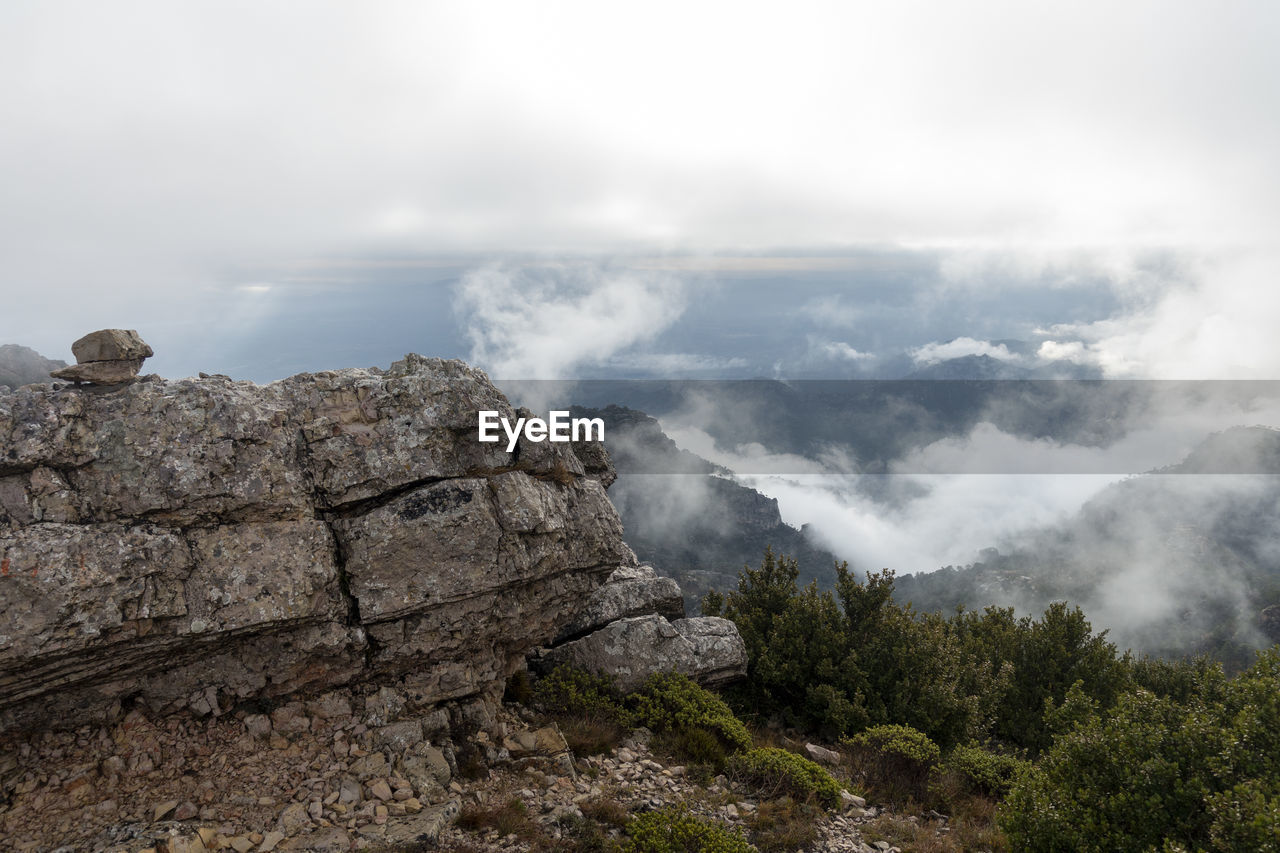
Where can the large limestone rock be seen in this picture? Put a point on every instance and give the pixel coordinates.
(630, 591)
(197, 543)
(707, 649)
(106, 357)
(111, 345)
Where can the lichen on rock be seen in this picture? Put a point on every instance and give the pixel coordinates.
(201, 542)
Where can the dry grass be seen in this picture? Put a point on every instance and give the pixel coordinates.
(589, 834)
(608, 812)
(559, 473)
(590, 735)
(510, 818)
(969, 832)
(783, 825)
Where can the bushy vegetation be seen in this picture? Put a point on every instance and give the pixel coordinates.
(1089, 748)
(674, 830)
(1155, 772)
(976, 770)
(898, 759)
(691, 721)
(698, 723)
(775, 772)
(843, 661)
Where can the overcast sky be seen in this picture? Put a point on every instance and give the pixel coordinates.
(164, 165)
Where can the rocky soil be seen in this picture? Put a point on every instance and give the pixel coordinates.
(342, 773)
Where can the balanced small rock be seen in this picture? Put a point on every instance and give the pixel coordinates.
(106, 357)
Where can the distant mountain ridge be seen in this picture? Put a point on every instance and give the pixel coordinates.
(985, 367)
(21, 365)
(688, 516)
(1181, 560)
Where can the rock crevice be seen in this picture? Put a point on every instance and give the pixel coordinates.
(160, 540)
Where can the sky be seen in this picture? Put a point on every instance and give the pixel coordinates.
(202, 170)
(709, 190)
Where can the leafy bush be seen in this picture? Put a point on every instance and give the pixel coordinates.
(1125, 782)
(900, 743)
(700, 721)
(691, 720)
(1158, 773)
(568, 691)
(839, 661)
(674, 830)
(590, 713)
(983, 772)
(776, 772)
(1247, 817)
(895, 760)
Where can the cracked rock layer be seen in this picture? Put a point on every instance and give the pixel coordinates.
(200, 542)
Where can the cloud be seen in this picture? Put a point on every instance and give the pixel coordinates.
(154, 152)
(545, 322)
(841, 350)
(932, 353)
(1215, 320)
(1062, 351)
(831, 311)
(675, 363)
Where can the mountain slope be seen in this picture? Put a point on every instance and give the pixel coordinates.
(1177, 561)
(687, 516)
(21, 365)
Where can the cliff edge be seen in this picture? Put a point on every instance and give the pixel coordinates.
(202, 543)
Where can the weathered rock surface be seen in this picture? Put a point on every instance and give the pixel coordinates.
(106, 357)
(1269, 622)
(719, 653)
(100, 372)
(630, 591)
(707, 649)
(111, 345)
(197, 543)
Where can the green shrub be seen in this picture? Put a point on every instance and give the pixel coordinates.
(671, 703)
(983, 772)
(1131, 780)
(1195, 769)
(836, 661)
(674, 830)
(1247, 818)
(568, 691)
(901, 742)
(897, 761)
(775, 772)
(694, 746)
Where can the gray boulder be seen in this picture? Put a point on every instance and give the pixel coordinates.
(111, 345)
(718, 649)
(201, 542)
(106, 357)
(630, 591)
(707, 649)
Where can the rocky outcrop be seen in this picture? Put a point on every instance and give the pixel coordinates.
(707, 649)
(1269, 622)
(201, 543)
(630, 591)
(634, 627)
(106, 357)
